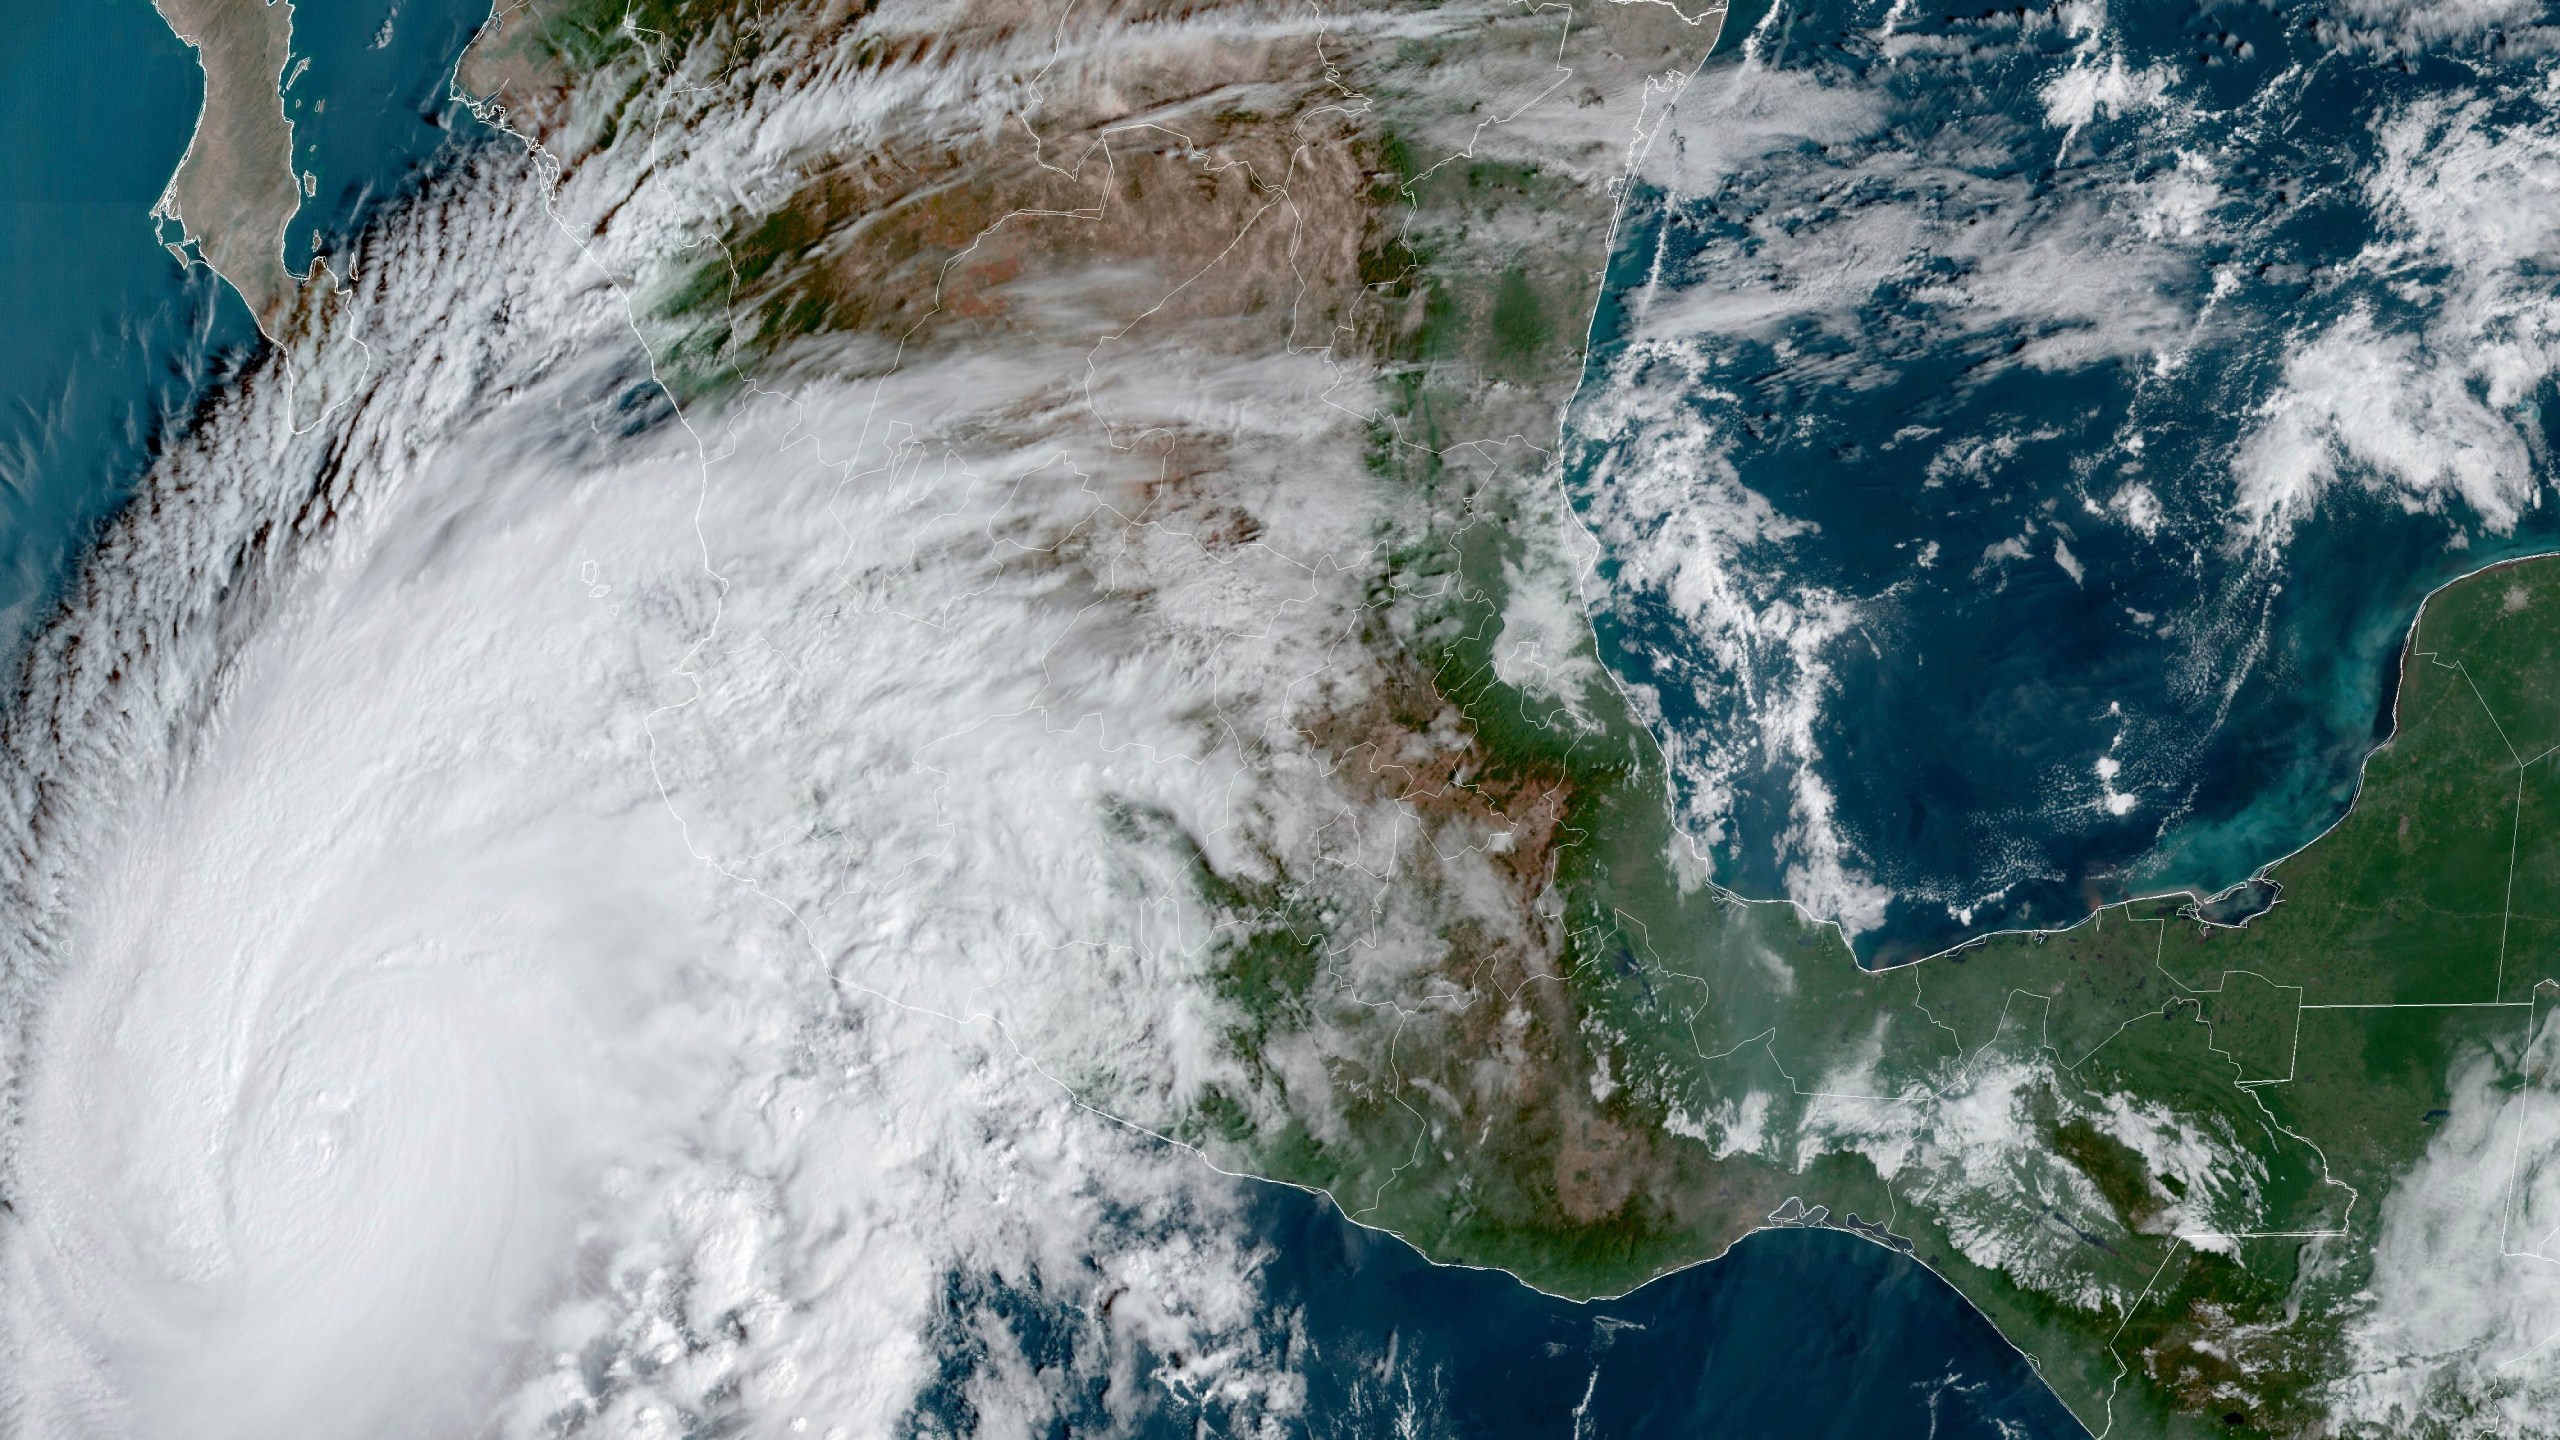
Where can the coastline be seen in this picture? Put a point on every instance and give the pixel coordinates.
(235, 190)
(1583, 965)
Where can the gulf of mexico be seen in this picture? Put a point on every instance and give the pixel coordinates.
(1992, 520)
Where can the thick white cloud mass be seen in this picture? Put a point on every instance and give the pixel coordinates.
(528, 912)
(529, 919)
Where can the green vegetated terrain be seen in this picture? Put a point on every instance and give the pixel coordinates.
(2151, 1149)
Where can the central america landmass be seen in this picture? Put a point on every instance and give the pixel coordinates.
(2164, 1154)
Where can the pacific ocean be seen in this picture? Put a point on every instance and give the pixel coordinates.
(1797, 1333)
(110, 340)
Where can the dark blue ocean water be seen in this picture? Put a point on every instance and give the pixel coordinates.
(1794, 1335)
(1797, 1334)
(2022, 436)
(112, 342)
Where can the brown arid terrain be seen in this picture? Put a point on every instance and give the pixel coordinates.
(1128, 206)
(926, 613)
(236, 191)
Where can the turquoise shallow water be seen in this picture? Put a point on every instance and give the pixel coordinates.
(112, 346)
(2021, 439)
